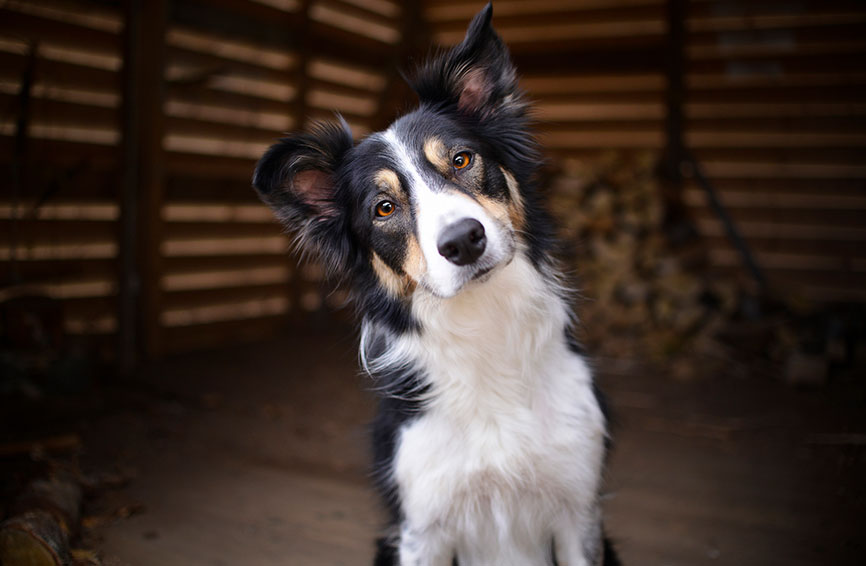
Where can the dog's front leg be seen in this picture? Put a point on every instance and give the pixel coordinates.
(577, 539)
(424, 547)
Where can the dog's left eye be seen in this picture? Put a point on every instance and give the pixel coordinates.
(461, 160)
(385, 208)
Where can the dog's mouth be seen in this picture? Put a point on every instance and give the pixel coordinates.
(481, 273)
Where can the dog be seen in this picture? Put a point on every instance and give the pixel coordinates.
(490, 438)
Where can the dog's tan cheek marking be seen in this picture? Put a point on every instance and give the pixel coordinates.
(437, 155)
(393, 283)
(497, 209)
(516, 211)
(414, 265)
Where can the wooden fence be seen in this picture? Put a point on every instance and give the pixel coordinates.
(128, 134)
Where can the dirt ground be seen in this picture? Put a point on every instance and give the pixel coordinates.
(257, 455)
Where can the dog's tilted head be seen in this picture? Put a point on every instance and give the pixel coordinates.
(439, 200)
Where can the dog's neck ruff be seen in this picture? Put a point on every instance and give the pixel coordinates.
(494, 336)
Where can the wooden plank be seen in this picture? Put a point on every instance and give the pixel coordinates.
(223, 65)
(278, 29)
(69, 153)
(196, 298)
(800, 187)
(182, 186)
(600, 85)
(769, 155)
(735, 22)
(516, 16)
(463, 10)
(849, 62)
(850, 249)
(213, 129)
(59, 113)
(210, 230)
(202, 94)
(40, 28)
(593, 34)
(784, 215)
(360, 13)
(209, 166)
(651, 139)
(187, 264)
(801, 231)
(58, 73)
(740, 170)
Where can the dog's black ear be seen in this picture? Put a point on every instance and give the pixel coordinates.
(476, 76)
(296, 178)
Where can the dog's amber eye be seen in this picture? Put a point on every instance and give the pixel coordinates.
(385, 208)
(462, 160)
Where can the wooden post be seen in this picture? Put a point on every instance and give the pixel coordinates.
(676, 223)
(143, 182)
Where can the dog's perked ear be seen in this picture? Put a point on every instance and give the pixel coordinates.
(297, 178)
(476, 76)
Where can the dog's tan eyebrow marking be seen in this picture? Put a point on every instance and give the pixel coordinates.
(437, 154)
(387, 178)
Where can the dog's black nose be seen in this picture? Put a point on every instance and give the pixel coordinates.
(463, 242)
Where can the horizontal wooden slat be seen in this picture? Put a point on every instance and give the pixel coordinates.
(61, 113)
(522, 15)
(58, 73)
(844, 249)
(18, 24)
(210, 166)
(796, 186)
(186, 230)
(226, 245)
(729, 170)
(811, 157)
(762, 229)
(348, 19)
(837, 218)
(198, 298)
(191, 264)
(187, 187)
(212, 129)
(600, 139)
(733, 23)
(811, 201)
(850, 61)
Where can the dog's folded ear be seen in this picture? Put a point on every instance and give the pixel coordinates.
(476, 76)
(296, 178)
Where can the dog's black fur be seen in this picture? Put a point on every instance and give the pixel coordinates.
(319, 184)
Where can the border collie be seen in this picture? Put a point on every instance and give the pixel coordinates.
(490, 440)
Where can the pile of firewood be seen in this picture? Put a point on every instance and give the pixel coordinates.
(640, 297)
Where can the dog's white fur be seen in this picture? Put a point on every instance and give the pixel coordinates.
(509, 450)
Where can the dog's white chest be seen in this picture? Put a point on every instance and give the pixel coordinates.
(513, 436)
(495, 482)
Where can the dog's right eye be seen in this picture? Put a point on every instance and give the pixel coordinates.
(385, 208)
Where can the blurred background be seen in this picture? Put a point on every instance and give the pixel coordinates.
(177, 388)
